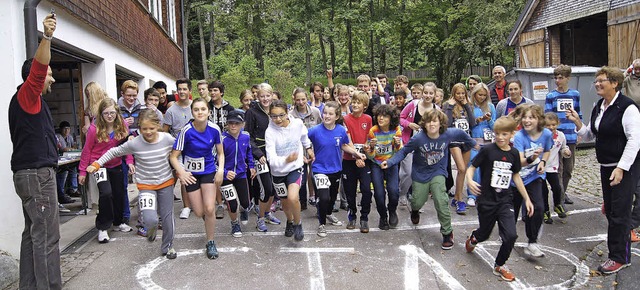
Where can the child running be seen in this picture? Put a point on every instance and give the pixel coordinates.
(559, 149)
(238, 158)
(107, 132)
(286, 141)
(429, 168)
(154, 177)
(329, 140)
(499, 164)
(383, 141)
(197, 170)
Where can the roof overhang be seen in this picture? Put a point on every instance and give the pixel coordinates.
(522, 21)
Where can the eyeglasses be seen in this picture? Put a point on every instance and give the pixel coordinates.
(109, 114)
(601, 81)
(275, 117)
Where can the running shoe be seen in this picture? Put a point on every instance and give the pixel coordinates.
(171, 254)
(547, 218)
(322, 232)
(471, 243)
(271, 219)
(634, 236)
(260, 225)
(454, 202)
(393, 219)
(66, 199)
(611, 266)
(219, 212)
(533, 250)
(559, 209)
(235, 229)
(461, 208)
(298, 233)
(351, 225)
(504, 273)
(123, 228)
(142, 232)
(334, 220)
(212, 251)
(288, 230)
(103, 237)
(447, 241)
(471, 202)
(151, 233)
(383, 224)
(244, 216)
(335, 209)
(344, 206)
(312, 201)
(415, 217)
(364, 226)
(403, 200)
(62, 208)
(184, 214)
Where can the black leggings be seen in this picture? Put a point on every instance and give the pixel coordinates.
(262, 187)
(533, 223)
(327, 196)
(242, 192)
(111, 200)
(553, 178)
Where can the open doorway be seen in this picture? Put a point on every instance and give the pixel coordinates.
(584, 41)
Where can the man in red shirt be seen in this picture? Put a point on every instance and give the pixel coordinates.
(33, 164)
(498, 90)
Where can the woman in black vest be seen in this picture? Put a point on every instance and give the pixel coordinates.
(617, 137)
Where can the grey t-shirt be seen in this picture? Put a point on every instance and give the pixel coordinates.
(176, 117)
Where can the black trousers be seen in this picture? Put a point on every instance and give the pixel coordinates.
(533, 223)
(502, 213)
(351, 174)
(111, 200)
(327, 196)
(617, 207)
(556, 187)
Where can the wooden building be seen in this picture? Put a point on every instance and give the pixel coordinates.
(577, 32)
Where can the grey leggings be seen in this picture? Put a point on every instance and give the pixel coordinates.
(164, 208)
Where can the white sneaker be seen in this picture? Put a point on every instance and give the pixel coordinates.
(103, 237)
(184, 214)
(322, 232)
(334, 220)
(220, 211)
(61, 208)
(471, 202)
(533, 250)
(124, 228)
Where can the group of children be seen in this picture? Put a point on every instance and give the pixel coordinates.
(402, 143)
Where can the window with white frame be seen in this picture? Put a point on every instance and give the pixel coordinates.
(155, 8)
(171, 18)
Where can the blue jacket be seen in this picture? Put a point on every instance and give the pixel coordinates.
(237, 154)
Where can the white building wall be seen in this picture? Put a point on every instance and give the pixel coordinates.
(12, 55)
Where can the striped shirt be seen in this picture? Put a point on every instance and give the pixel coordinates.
(566, 126)
(385, 147)
(152, 160)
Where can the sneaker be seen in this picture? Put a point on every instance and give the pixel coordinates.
(351, 225)
(634, 236)
(212, 251)
(219, 212)
(298, 233)
(244, 217)
(452, 192)
(74, 193)
(312, 201)
(470, 244)
(151, 233)
(504, 273)
(364, 226)
(403, 200)
(415, 217)
(454, 202)
(559, 209)
(335, 209)
(611, 266)
(567, 200)
(124, 228)
(344, 206)
(273, 207)
(271, 219)
(447, 241)
(184, 214)
(256, 209)
(547, 218)
(260, 225)
(533, 250)
(383, 224)
(61, 208)
(393, 219)
(334, 220)
(103, 237)
(288, 230)
(461, 208)
(471, 202)
(176, 199)
(142, 232)
(322, 232)
(66, 199)
(236, 232)
(171, 254)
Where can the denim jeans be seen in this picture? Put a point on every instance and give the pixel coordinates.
(379, 176)
(62, 176)
(39, 250)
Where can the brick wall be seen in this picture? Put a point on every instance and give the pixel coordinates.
(129, 23)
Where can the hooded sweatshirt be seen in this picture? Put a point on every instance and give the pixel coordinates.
(219, 115)
(281, 142)
(311, 118)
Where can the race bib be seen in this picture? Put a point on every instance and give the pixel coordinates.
(147, 201)
(261, 168)
(194, 164)
(384, 149)
(501, 178)
(488, 135)
(564, 104)
(322, 181)
(281, 189)
(462, 124)
(100, 175)
(359, 148)
(229, 192)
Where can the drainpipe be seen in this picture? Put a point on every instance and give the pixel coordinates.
(31, 26)
(185, 57)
